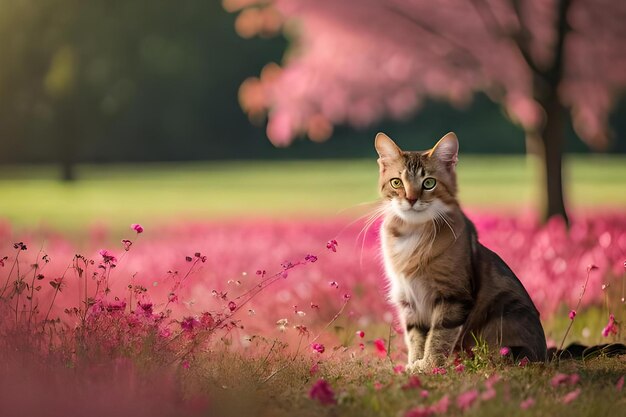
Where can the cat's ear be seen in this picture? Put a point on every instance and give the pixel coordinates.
(447, 150)
(386, 147)
(387, 150)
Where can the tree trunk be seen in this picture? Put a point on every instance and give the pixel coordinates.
(549, 147)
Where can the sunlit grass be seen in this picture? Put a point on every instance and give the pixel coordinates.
(120, 194)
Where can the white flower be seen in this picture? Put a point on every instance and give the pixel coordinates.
(282, 324)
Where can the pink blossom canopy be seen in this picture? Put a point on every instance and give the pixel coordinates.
(358, 61)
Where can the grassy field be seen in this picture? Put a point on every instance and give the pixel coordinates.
(120, 194)
(140, 360)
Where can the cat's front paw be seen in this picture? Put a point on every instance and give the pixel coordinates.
(419, 366)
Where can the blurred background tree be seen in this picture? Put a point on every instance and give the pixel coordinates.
(361, 61)
(132, 81)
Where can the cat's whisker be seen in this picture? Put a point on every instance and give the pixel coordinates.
(442, 216)
(377, 213)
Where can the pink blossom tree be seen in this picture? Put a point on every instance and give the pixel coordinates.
(358, 61)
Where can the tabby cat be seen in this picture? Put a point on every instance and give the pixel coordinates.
(449, 289)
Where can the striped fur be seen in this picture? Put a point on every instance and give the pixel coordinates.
(448, 288)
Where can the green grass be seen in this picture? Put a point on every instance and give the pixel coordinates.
(120, 194)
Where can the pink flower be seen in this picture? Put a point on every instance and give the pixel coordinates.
(611, 327)
(424, 393)
(439, 371)
(572, 314)
(488, 395)
(322, 392)
(378, 385)
(459, 368)
(185, 364)
(314, 368)
(188, 324)
(527, 403)
(412, 383)
(620, 383)
(381, 349)
(491, 381)
(360, 333)
(398, 369)
(525, 361)
(441, 406)
(361, 346)
(107, 257)
(467, 399)
(137, 228)
(126, 244)
(504, 351)
(570, 396)
(559, 379)
(165, 332)
(332, 245)
(574, 379)
(318, 347)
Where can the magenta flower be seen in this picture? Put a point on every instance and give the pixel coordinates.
(488, 395)
(188, 324)
(318, 347)
(332, 245)
(504, 351)
(381, 349)
(441, 406)
(611, 327)
(459, 368)
(314, 368)
(107, 256)
(570, 396)
(398, 369)
(126, 244)
(360, 333)
(145, 307)
(559, 379)
(137, 228)
(412, 383)
(527, 403)
(321, 391)
(572, 314)
(467, 399)
(439, 371)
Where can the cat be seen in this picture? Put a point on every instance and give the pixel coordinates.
(449, 290)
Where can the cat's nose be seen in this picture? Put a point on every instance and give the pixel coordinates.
(411, 201)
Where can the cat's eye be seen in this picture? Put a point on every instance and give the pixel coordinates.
(396, 182)
(429, 183)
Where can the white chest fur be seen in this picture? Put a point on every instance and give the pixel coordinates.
(411, 294)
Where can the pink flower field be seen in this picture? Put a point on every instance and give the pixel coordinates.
(314, 287)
